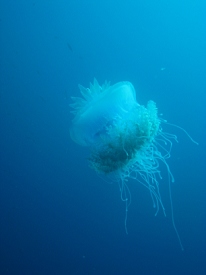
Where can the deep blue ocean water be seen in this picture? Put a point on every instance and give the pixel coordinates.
(57, 216)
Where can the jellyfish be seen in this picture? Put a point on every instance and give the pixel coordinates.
(125, 139)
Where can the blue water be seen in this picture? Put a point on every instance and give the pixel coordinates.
(57, 216)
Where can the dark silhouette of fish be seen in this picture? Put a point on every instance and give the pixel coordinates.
(70, 47)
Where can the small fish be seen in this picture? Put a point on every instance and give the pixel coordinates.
(70, 47)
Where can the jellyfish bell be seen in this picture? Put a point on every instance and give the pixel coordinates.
(125, 138)
(98, 108)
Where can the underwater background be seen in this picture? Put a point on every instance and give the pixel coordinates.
(57, 216)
